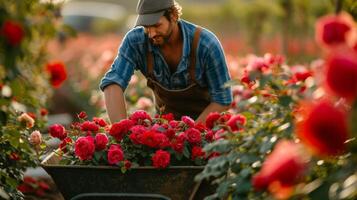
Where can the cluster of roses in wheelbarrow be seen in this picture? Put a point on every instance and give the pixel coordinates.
(141, 140)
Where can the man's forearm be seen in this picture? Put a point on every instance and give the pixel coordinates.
(115, 103)
(212, 107)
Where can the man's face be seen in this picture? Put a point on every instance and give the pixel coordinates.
(160, 32)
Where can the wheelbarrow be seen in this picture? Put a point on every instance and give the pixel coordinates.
(79, 182)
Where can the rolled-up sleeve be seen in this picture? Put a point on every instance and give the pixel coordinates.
(122, 68)
(217, 72)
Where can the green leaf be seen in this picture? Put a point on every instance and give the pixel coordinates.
(186, 151)
(285, 101)
(249, 159)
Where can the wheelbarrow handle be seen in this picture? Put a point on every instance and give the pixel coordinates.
(136, 195)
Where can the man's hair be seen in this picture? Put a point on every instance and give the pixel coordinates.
(175, 10)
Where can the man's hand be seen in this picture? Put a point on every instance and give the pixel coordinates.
(115, 102)
(212, 107)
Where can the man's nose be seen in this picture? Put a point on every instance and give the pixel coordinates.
(151, 32)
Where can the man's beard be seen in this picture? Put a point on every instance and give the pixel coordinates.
(165, 37)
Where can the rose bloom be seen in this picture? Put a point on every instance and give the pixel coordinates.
(169, 117)
(161, 140)
(119, 129)
(58, 73)
(188, 121)
(115, 154)
(43, 112)
(101, 122)
(193, 136)
(35, 138)
(13, 32)
(161, 159)
(236, 122)
(139, 116)
(282, 169)
(211, 119)
(89, 126)
(24, 117)
(57, 131)
(341, 73)
(323, 128)
(197, 152)
(84, 148)
(101, 141)
(82, 115)
(148, 138)
(332, 30)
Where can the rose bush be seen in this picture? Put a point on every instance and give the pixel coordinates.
(299, 138)
(25, 86)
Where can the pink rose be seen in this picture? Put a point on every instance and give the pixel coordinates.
(36, 138)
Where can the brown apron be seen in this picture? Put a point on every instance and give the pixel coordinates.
(190, 101)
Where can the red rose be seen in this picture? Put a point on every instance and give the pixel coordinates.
(332, 30)
(57, 72)
(197, 153)
(169, 117)
(161, 140)
(236, 122)
(200, 127)
(341, 73)
(13, 32)
(193, 136)
(139, 116)
(148, 138)
(323, 128)
(127, 164)
(89, 126)
(43, 112)
(82, 115)
(115, 154)
(211, 119)
(63, 145)
(101, 122)
(119, 129)
(225, 117)
(136, 134)
(170, 133)
(188, 121)
(209, 136)
(84, 148)
(286, 165)
(177, 145)
(173, 123)
(161, 159)
(101, 141)
(14, 156)
(57, 131)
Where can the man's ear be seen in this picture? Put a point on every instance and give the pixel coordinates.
(173, 17)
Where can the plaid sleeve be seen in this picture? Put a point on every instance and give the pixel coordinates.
(122, 68)
(216, 69)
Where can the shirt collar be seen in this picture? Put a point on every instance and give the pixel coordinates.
(185, 37)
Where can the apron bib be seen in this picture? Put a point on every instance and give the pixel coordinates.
(190, 101)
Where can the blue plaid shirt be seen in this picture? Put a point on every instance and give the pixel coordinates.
(211, 68)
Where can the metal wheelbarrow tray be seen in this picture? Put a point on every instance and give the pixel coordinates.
(175, 183)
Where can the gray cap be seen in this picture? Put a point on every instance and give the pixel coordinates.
(150, 11)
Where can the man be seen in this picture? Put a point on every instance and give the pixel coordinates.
(184, 64)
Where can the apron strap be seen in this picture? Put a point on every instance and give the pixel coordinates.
(192, 67)
(150, 65)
